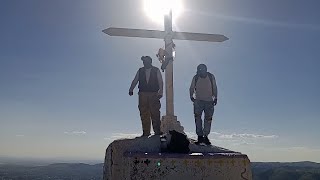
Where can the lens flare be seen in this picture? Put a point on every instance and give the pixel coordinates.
(156, 9)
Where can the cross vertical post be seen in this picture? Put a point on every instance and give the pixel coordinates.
(169, 69)
(169, 120)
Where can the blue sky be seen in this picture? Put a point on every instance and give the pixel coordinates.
(64, 84)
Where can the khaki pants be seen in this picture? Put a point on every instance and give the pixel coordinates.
(149, 106)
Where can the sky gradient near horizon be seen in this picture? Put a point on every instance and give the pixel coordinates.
(64, 84)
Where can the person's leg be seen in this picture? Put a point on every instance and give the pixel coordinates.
(144, 113)
(155, 106)
(208, 113)
(198, 108)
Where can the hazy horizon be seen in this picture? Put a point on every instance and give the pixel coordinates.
(48, 161)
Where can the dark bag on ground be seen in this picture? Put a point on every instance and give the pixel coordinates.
(179, 143)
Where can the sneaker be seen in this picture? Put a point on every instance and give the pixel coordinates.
(206, 140)
(200, 140)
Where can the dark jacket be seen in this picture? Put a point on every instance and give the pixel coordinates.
(153, 84)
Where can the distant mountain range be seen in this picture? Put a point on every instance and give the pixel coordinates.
(286, 171)
(61, 171)
(308, 164)
(80, 171)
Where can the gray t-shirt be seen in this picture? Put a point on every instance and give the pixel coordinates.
(203, 90)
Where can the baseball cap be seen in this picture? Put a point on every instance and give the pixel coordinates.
(146, 58)
(201, 67)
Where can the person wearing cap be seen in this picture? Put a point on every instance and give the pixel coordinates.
(204, 87)
(150, 91)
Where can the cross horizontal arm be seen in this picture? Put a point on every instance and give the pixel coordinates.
(134, 33)
(161, 34)
(199, 37)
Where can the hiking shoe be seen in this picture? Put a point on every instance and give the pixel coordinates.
(206, 140)
(158, 133)
(145, 135)
(200, 140)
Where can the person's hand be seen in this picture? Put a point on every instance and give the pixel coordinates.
(192, 99)
(130, 93)
(215, 101)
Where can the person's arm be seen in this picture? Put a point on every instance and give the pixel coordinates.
(214, 87)
(214, 90)
(160, 81)
(192, 87)
(134, 83)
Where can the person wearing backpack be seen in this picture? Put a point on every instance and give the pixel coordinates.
(204, 87)
(150, 91)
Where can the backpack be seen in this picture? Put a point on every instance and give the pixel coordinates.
(179, 143)
(210, 77)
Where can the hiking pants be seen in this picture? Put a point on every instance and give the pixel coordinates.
(149, 106)
(199, 106)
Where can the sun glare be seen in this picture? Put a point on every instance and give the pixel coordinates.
(156, 9)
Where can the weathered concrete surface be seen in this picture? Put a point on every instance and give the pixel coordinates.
(140, 159)
(231, 166)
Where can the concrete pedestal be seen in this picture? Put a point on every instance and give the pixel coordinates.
(140, 159)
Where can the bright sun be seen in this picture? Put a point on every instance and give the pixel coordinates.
(156, 9)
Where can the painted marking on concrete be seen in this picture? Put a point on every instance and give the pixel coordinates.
(136, 161)
(245, 170)
(147, 162)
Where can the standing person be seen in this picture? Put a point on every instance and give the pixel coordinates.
(150, 91)
(204, 86)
